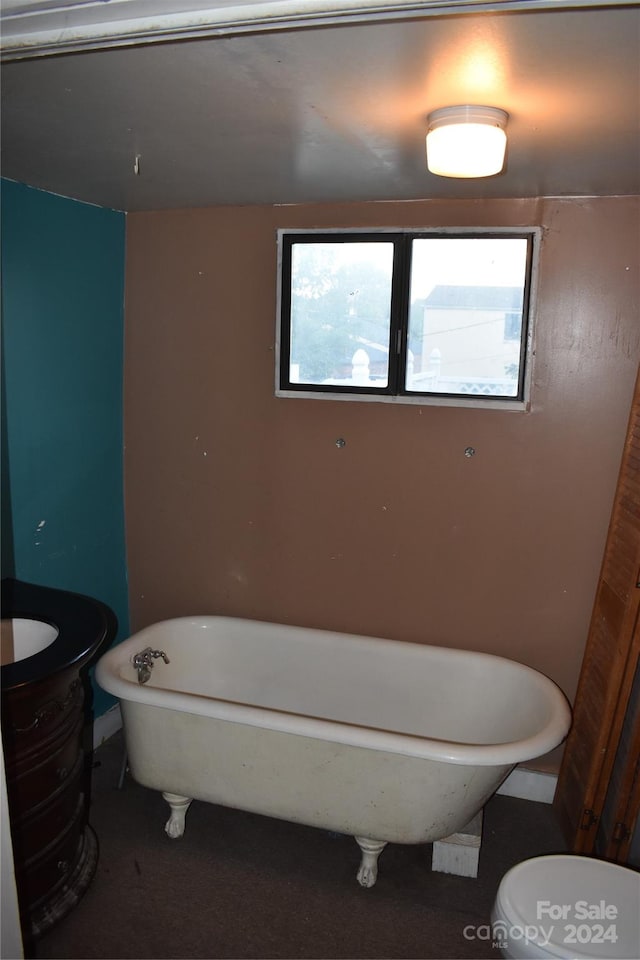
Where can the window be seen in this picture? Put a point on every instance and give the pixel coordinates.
(415, 317)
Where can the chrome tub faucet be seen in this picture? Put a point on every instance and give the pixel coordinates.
(143, 662)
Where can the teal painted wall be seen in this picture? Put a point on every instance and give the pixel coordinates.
(62, 315)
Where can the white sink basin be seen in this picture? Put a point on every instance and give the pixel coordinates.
(21, 638)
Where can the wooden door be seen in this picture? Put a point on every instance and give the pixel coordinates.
(608, 669)
(622, 802)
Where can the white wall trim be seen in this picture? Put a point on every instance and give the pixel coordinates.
(41, 27)
(11, 933)
(106, 725)
(529, 785)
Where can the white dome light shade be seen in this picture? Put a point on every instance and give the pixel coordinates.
(466, 141)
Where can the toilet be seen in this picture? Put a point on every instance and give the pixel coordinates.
(567, 906)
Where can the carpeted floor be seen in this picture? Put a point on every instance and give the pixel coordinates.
(242, 886)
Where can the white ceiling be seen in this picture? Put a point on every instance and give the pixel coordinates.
(329, 112)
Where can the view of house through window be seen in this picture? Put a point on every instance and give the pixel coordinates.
(465, 319)
(404, 314)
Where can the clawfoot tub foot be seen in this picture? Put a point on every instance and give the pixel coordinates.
(371, 850)
(174, 826)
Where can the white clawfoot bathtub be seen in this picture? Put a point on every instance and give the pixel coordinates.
(384, 740)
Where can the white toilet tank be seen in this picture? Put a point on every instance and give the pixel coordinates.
(567, 906)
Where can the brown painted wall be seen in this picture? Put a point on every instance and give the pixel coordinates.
(240, 503)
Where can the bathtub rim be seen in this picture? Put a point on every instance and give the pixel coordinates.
(108, 676)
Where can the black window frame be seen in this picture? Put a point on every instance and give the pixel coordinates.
(399, 315)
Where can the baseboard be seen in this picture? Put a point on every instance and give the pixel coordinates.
(106, 725)
(529, 785)
(521, 783)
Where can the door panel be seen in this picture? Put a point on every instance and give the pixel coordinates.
(607, 675)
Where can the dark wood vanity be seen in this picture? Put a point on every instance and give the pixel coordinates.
(47, 741)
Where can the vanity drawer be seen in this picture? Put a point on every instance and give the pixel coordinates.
(45, 823)
(30, 783)
(34, 716)
(54, 864)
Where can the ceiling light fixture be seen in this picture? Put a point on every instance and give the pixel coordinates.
(466, 141)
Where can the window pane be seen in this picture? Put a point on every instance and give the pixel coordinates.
(340, 313)
(465, 323)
